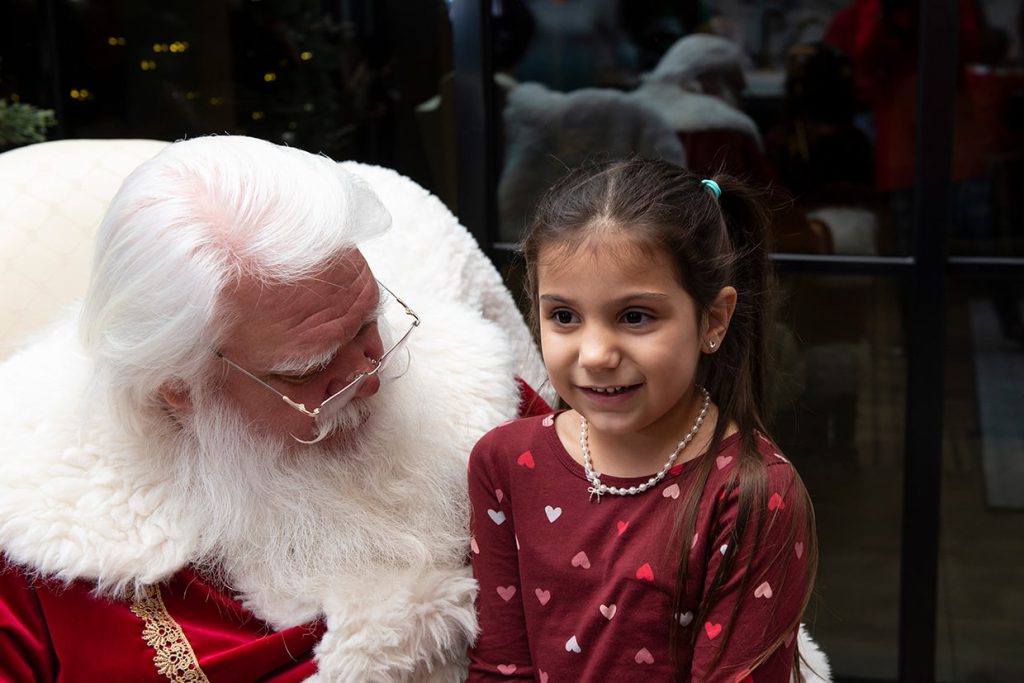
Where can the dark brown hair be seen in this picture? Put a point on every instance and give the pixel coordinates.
(714, 242)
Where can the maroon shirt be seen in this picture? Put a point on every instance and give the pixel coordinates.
(574, 590)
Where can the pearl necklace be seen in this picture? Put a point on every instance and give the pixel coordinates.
(598, 489)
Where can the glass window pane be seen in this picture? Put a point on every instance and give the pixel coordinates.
(988, 144)
(838, 399)
(980, 608)
(777, 93)
(981, 567)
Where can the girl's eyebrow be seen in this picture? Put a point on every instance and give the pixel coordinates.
(641, 296)
(621, 301)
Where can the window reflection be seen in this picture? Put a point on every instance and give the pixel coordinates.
(814, 100)
(980, 568)
(585, 80)
(838, 399)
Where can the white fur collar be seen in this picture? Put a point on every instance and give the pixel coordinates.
(686, 111)
(80, 503)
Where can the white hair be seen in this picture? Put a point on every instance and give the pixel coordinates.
(184, 229)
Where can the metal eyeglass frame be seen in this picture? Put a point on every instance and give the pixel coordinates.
(352, 386)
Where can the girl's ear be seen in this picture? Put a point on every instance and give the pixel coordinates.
(717, 319)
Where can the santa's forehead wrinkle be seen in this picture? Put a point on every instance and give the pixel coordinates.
(309, 315)
(349, 275)
(358, 303)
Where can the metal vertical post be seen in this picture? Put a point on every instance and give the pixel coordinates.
(937, 67)
(474, 118)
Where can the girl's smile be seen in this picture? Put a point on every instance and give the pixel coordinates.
(613, 395)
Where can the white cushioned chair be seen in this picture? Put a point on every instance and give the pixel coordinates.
(52, 197)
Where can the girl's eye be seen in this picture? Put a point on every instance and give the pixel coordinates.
(563, 317)
(635, 317)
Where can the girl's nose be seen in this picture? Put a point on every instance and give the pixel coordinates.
(598, 350)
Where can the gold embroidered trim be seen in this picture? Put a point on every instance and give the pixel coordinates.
(174, 656)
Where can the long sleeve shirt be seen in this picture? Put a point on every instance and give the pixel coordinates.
(579, 590)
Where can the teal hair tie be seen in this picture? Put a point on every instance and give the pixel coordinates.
(714, 187)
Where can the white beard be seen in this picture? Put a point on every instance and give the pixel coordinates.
(342, 530)
(283, 523)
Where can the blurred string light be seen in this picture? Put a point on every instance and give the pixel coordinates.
(176, 47)
(81, 94)
(147, 65)
(116, 41)
(269, 77)
(216, 101)
(257, 116)
(306, 56)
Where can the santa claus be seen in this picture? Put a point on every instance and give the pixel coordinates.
(244, 457)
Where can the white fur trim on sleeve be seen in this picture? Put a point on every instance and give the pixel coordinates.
(404, 627)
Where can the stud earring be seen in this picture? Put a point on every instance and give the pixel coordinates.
(712, 344)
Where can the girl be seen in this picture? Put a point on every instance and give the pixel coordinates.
(652, 530)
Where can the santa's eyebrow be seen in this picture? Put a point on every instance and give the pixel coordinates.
(378, 310)
(301, 365)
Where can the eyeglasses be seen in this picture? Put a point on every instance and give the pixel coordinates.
(338, 400)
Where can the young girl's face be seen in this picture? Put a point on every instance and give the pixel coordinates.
(620, 336)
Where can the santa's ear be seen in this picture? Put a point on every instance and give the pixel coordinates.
(177, 397)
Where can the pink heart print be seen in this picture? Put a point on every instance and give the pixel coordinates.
(506, 592)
